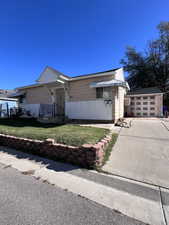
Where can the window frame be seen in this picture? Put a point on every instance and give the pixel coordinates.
(97, 92)
(103, 90)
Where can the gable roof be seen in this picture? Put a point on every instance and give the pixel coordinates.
(56, 71)
(53, 70)
(151, 90)
(68, 78)
(90, 74)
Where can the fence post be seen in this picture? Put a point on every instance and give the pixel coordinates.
(7, 109)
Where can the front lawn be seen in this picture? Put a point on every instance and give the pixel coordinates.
(67, 134)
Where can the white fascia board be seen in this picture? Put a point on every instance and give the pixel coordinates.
(40, 84)
(64, 78)
(111, 83)
(127, 84)
(91, 76)
(60, 81)
(8, 99)
(29, 86)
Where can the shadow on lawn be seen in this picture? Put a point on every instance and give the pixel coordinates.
(44, 162)
(22, 122)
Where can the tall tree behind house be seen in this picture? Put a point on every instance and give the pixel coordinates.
(150, 67)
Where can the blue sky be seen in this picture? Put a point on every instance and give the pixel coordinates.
(73, 36)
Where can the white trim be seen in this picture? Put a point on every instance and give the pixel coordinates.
(110, 83)
(29, 86)
(9, 99)
(91, 76)
(37, 85)
(64, 78)
(60, 81)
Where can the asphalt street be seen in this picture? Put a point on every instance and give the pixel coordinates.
(29, 201)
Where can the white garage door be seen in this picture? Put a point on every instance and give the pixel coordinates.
(144, 106)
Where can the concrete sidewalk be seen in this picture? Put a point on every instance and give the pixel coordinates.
(137, 200)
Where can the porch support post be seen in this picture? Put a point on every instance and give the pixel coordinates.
(50, 93)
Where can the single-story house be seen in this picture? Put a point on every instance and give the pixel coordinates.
(96, 96)
(145, 102)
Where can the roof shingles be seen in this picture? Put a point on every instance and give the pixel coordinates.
(151, 90)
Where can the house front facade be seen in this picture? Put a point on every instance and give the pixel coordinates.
(97, 96)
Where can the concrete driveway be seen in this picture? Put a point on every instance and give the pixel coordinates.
(142, 152)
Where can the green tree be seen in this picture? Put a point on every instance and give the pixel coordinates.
(150, 67)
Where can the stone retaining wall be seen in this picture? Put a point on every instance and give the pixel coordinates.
(88, 156)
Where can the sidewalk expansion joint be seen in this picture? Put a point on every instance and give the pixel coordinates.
(162, 206)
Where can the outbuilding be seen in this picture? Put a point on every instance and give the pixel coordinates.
(145, 102)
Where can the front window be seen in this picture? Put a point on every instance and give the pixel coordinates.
(103, 92)
(99, 92)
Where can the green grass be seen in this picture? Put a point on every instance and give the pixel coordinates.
(109, 148)
(74, 135)
(107, 152)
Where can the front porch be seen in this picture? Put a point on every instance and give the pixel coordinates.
(55, 111)
(45, 101)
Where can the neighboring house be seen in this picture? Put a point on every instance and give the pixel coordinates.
(5, 93)
(146, 102)
(6, 103)
(97, 96)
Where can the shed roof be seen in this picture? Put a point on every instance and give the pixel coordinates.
(151, 90)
